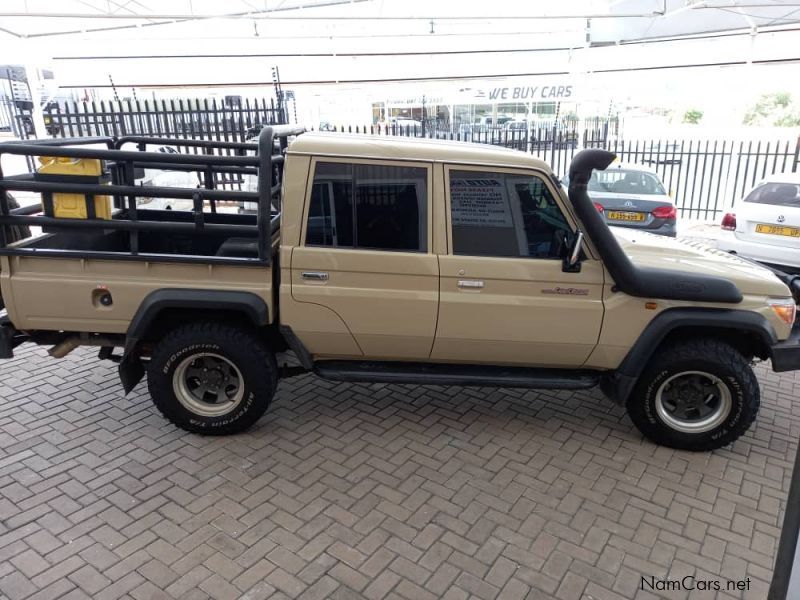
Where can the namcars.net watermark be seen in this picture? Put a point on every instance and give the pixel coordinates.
(690, 583)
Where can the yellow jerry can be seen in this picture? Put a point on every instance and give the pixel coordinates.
(63, 169)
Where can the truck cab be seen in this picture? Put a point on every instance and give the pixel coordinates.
(409, 250)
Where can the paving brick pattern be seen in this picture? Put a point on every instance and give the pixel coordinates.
(373, 491)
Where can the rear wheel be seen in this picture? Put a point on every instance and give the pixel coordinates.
(212, 378)
(696, 395)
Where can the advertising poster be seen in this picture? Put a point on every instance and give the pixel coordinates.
(480, 202)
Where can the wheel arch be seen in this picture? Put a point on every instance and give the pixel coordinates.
(153, 316)
(747, 331)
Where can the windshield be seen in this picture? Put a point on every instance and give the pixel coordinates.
(622, 181)
(777, 194)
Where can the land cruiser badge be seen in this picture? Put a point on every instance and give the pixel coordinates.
(567, 291)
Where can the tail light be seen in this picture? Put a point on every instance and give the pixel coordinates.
(599, 207)
(728, 222)
(665, 212)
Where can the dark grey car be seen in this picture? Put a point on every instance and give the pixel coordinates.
(633, 196)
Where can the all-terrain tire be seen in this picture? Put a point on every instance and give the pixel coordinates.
(733, 376)
(236, 352)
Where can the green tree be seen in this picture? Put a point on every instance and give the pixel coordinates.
(693, 116)
(776, 109)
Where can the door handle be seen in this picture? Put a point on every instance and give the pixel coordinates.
(472, 284)
(315, 275)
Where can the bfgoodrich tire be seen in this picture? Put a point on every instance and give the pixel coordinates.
(697, 395)
(212, 378)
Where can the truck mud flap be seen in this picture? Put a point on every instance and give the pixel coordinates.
(10, 338)
(131, 371)
(6, 342)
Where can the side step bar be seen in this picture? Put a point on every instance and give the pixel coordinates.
(449, 374)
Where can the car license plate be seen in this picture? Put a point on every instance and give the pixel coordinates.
(778, 230)
(620, 215)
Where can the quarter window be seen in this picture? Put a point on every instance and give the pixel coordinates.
(377, 207)
(505, 214)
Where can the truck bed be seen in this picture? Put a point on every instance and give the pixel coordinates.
(28, 281)
(190, 243)
(103, 269)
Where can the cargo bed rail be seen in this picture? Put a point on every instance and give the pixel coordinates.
(209, 158)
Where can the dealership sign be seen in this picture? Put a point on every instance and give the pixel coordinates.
(543, 93)
(495, 92)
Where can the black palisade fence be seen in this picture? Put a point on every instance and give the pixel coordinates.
(236, 120)
(200, 118)
(706, 176)
(555, 142)
(703, 176)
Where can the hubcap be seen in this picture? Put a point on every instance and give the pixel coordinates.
(208, 384)
(693, 402)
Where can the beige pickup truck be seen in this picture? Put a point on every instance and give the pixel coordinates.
(381, 260)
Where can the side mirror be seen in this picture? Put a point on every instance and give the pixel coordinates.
(572, 262)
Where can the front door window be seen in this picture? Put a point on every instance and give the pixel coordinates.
(506, 214)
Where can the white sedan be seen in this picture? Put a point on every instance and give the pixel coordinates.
(765, 225)
(159, 178)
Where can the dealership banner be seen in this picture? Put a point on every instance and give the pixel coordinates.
(529, 93)
(491, 92)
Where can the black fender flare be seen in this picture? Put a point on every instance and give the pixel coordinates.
(619, 383)
(248, 304)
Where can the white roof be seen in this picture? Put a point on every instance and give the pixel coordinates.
(781, 178)
(611, 20)
(410, 148)
(630, 167)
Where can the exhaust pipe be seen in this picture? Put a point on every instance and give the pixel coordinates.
(64, 347)
(68, 344)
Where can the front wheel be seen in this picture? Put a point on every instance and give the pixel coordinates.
(697, 395)
(212, 378)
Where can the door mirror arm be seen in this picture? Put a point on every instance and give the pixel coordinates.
(572, 262)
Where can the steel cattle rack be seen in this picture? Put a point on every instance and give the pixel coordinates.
(263, 159)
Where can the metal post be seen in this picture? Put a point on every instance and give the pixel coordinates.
(782, 574)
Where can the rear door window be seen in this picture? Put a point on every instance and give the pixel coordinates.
(370, 206)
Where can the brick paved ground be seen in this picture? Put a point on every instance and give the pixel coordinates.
(351, 491)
